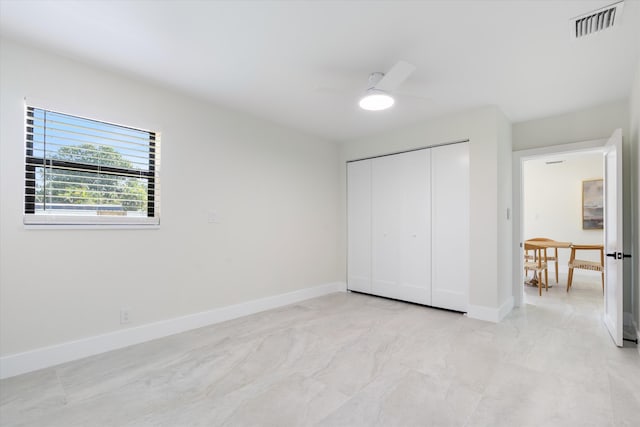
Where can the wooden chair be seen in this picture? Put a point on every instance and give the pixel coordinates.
(553, 257)
(585, 265)
(538, 264)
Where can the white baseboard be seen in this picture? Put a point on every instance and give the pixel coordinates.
(20, 363)
(505, 308)
(630, 328)
(490, 314)
(637, 336)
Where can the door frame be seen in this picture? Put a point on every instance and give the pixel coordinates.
(519, 157)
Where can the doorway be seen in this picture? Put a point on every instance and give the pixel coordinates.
(562, 200)
(520, 158)
(611, 151)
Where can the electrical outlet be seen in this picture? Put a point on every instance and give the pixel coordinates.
(125, 315)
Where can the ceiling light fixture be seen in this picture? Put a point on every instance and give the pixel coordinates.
(376, 100)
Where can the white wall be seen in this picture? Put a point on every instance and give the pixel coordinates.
(552, 201)
(480, 126)
(592, 123)
(275, 191)
(505, 227)
(634, 132)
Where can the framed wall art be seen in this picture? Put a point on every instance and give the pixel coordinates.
(592, 204)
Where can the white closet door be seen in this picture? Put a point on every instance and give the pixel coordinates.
(401, 208)
(359, 226)
(450, 226)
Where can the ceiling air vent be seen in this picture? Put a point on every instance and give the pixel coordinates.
(596, 21)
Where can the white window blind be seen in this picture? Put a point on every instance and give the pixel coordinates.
(82, 171)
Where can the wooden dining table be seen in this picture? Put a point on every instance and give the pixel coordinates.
(544, 244)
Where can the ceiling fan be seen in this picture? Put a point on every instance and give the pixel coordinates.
(378, 96)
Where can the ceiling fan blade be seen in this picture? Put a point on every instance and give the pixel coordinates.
(396, 75)
(330, 90)
(404, 94)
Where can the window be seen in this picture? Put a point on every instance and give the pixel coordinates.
(82, 171)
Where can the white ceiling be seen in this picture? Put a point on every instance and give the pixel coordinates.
(304, 64)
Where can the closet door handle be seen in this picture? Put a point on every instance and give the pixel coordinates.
(612, 255)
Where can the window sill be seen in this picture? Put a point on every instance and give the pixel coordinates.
(90, 227)
(57, 222)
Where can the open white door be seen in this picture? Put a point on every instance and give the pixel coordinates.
(613, 236)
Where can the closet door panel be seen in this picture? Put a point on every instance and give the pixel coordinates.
(450, 226)
(416, 230)
(386, 236)
(400, 223)
(359, 226)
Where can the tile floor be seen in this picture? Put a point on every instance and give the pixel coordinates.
(353, 360)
